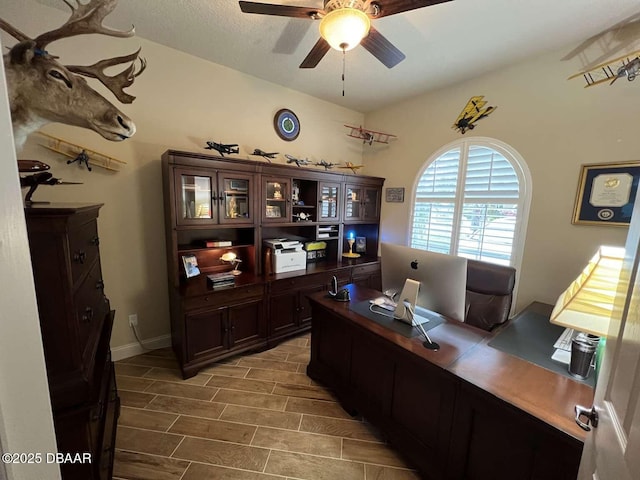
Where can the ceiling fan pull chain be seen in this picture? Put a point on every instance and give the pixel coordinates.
(343, 65)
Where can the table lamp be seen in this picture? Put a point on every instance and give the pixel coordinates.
(233, 259)
(351, 240)
(587, 304)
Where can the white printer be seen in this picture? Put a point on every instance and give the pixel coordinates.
(286, 255)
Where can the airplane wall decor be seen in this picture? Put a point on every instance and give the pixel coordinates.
(472, 112)
(266, 155)
(299, 162)
(624, 66)
(223, 148)
(354, 168)
(325, 164)
(369, 136)
(80, 154)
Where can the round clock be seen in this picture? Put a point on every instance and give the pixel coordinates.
(286, 124)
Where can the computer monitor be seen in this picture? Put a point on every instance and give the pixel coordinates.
(443, 278)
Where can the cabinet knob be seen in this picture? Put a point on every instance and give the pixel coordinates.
(87, 316)
(95, 241)
(206, 299)
(100, 285)
(80, 257)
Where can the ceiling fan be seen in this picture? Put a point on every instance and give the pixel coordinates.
(344, 24)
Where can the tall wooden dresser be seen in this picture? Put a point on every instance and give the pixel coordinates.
(76, 321)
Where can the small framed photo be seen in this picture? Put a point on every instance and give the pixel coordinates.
(394, 195)
(606, 193)
(273, 211)
(361, 245)
(190, 264)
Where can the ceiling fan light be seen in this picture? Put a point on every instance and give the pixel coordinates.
(344, 28)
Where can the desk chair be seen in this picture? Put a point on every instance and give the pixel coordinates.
(489, 294)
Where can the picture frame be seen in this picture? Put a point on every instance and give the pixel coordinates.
(190, 264)
(273, 211)
(394, 195)
(606, 193)
(361, 245)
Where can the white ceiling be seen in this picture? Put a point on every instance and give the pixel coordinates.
(444, 44)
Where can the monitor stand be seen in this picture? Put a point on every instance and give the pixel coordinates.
(406, 307)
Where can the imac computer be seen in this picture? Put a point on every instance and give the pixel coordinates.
(442, 278)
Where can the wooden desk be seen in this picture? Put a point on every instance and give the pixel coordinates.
(467, 411)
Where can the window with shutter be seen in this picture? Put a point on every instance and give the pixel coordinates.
(472, 200)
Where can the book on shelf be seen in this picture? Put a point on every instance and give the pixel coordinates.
(217, 243)
(230, 283)
(221, 277)
(324, 235)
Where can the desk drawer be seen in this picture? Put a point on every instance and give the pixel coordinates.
(224, 297)
(315, 279)
(362, 270)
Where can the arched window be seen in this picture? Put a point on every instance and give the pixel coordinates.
(472, 200)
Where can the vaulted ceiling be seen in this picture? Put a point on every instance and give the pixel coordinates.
(443, 44)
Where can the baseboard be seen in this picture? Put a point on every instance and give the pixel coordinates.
(133, 349)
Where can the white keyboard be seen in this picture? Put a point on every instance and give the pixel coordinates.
(564, 341)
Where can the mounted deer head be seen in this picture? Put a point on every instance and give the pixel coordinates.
(42, 90)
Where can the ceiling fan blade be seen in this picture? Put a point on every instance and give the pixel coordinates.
(391, 7)
(279, 10)
(382, 49)
(316, 54)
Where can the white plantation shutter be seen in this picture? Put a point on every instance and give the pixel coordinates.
(468, 202)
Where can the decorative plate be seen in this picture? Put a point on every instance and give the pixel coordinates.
(286, 124)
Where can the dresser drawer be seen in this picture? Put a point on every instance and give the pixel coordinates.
(90, 308)
(224, 297)
(83, 249)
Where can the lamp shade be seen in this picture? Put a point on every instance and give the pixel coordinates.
(587, 304)
(344, 28)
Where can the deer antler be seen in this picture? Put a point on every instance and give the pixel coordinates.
(85, 18)
(116, 83)
(13, 31)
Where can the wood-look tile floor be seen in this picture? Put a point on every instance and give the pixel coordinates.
(251, 417)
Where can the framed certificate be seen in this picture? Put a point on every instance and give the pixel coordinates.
(606, 193)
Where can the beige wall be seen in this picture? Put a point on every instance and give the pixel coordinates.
(182, 102)
(556, 125)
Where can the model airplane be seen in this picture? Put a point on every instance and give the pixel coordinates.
(302, 217)
(80, 154)
(354, 168)
(223, 148)
(41, 177)
(625, 66)
(471, 113)
(325, 164)
(368, 136)
(299, 162)
(266, 155)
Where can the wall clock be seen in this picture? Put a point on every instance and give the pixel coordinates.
(286, 124)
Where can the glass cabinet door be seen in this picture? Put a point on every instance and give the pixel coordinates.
(353, 203)
(371, 204)
(235, 198)
(195, 201)
(329, 202)
(276, 200)
(362, 203)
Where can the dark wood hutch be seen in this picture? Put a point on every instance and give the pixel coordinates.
(216, 199)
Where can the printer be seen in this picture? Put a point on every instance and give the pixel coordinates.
(286, 255)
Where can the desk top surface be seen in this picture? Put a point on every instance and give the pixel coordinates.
(464, 351)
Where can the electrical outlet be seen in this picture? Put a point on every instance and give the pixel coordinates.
(133, 320)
